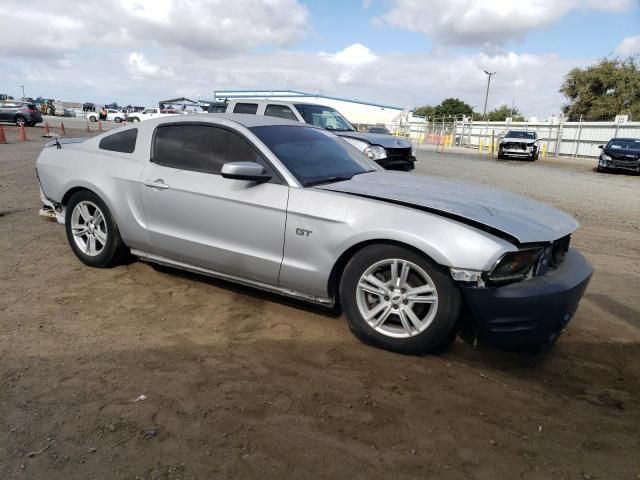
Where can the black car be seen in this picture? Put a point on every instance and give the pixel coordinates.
(20, 113)
(620, 154)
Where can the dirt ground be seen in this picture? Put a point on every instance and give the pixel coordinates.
(240, 384)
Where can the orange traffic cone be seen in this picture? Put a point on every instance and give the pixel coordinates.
(46, 130)
(3, 137)
(62, 132)
(23, 134)
(99, 126)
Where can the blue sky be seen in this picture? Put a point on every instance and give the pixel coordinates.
(398, 52)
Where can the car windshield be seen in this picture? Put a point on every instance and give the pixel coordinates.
(525, 135)
(324, 117)
(314, 156)
(624, 143)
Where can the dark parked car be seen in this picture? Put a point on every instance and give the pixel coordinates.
(620, 154)
(67, 112)
(20, 113)
(88, 107)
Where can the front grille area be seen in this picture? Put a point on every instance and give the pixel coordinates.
(559, 250)
(398, 153)
(553, 255)
(514, 146)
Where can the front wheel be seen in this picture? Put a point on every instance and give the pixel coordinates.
(500, 154)
(92, 118)
(91, 231)
(134, 119)
(117, 120)
(399, 300)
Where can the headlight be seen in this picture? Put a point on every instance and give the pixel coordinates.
(375, 152)
(604, 156)
(515, 265)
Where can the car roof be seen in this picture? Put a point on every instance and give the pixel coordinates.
(626, 139)
(245, 119)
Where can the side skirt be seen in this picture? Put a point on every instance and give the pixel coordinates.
(149, 257)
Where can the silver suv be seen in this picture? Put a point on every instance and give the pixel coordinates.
(391, 153)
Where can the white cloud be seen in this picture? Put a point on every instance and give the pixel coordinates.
(140, 67)
(204, 27)
(353, 56)
(405, 80)
(629, 46)
(487, 23)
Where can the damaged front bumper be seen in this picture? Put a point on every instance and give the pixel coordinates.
(50, 211)
(529, 315)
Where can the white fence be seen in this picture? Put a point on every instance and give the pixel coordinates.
(575, 139)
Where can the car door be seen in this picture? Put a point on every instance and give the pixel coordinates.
(197, 217)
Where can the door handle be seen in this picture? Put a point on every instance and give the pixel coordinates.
(157, 183)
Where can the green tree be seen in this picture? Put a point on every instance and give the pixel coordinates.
(453, 106)
(425, 111)
(448, 107)
(501, 113)
(604, 90)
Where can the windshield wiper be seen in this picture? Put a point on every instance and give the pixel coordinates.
(327, 180)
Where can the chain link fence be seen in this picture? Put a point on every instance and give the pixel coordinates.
(556, 138)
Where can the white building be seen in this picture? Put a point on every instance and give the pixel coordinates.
(353, 110)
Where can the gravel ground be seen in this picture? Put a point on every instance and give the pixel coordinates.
(240, 384)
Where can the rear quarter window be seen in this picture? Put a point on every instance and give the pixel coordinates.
(123, 142)
(251, 108)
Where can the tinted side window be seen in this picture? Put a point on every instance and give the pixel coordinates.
(245, 108)
(280, 111)
(201, 148)
(124, 142)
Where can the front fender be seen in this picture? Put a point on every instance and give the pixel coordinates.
(322, 226)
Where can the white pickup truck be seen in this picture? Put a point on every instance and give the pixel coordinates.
(148, 113)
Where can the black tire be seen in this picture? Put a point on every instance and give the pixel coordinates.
(20, 120)
(600, 169)
(500, 154)
(117, 120)
(535, 155)
(114, 251)
(93, 118)
(134, 119)
(440, 331)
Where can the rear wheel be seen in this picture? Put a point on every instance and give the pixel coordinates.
(500, 154)
(399, 300)
(91, 231)
(20, 121)
(93, 118)
(117, 120)
(134, 119)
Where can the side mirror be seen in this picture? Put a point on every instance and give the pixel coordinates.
(600, 147)
(251, 171)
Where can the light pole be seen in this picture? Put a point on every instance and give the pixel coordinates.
(486, 97)
(22, 87)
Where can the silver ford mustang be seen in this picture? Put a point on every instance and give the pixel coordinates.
(293, 209)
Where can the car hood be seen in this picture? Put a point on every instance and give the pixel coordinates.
(622, 154)
(387, 141)
(517, 140)
(521, 218)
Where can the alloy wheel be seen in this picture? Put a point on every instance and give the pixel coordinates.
(397, 298)
(89, 228)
